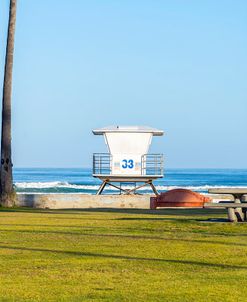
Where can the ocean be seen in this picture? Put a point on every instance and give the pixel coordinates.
(40, 180)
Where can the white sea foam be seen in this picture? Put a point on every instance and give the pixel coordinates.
(53, 184)
(40, 185)
(65, 185)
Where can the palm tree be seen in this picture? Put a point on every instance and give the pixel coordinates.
(6, 177)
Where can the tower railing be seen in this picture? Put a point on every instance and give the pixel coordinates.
(102, 163)
(151, 164)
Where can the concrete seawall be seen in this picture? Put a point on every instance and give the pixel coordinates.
(80, 201)
(69, 201)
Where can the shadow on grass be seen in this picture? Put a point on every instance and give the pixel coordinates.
(167, 211)
(123, 257)
(173, 219)
(134, 237)
(41, 211)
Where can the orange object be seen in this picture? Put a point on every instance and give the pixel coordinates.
(178, 198)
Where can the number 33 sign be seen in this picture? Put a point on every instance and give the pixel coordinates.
(127, 164)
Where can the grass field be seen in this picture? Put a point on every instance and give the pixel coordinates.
(121, 255)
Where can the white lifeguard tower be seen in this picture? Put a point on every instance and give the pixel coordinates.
(128, 160)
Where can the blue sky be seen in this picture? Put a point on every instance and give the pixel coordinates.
(176, 65)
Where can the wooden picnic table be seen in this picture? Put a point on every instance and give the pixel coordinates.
(237, 209)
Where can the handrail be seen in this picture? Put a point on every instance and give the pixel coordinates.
(102, 163)
(151, 164)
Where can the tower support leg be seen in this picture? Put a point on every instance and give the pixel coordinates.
(101, 188)
(153, 188)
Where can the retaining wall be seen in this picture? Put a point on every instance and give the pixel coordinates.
(80, 201)
(69, 201)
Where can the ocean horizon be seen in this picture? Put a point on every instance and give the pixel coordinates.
(81, 181)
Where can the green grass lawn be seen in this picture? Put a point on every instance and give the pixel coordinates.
(121, 255)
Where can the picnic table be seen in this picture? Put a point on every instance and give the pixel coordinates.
(237, 193)
(236, 209)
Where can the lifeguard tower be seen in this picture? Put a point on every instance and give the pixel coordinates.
(128, 160)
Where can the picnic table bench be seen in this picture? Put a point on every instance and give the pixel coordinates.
(236, 209)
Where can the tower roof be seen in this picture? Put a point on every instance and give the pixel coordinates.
(128, 129)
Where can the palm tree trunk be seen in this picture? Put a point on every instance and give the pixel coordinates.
(6, 177)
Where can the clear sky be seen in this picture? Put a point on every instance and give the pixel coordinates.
(176, 65)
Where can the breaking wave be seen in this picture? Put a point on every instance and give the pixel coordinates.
(56, 186)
